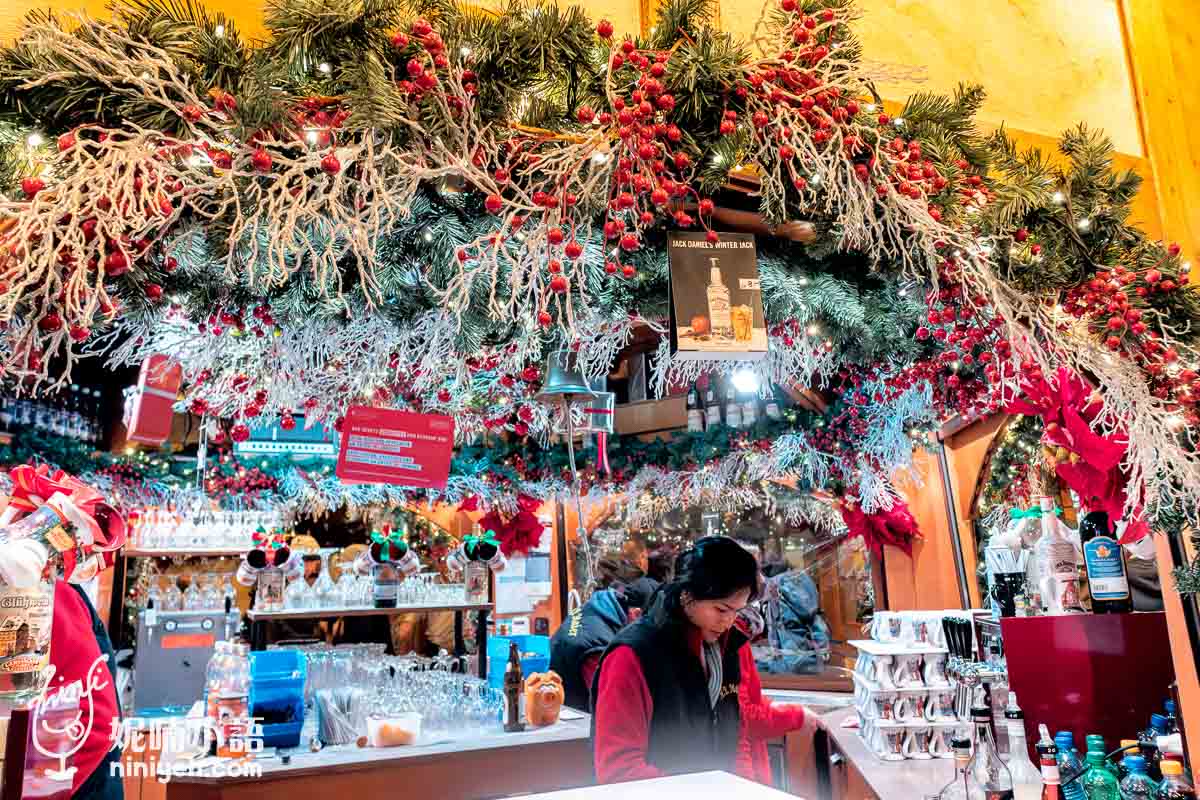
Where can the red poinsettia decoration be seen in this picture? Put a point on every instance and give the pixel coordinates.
(1068, 406)
(894, 526)
(520, 533)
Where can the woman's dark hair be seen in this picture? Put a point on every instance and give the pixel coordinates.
(712, 568)
(660, 565)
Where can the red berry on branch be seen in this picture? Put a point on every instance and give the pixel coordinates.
(239, 432)
(493, 203)
(629, 271)
(573, 249)
(78, 333)
(66, 141)
(51, 322)
(192, 113)
(400, 40)
(788, 5)
(712, 237)
(421, 27)
(728, 128)
(760, 119)
(558, 284)
(605, 29)
(611, 267)
(629, 242)
(1035, 249)
(1021, 235)
(585, 114)
(261, 160)
(331, 165)
(1113, 343)
(555, 266)
(1173, 249)
(443, 395)
(31, 186)
(554, 236)
(1153, 276)
(153, 291)
(115, 263)
(627, 46)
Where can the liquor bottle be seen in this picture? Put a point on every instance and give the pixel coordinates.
(1098, 783)
(1104, 560)
(772, 409)
(733, 409)
(964, 785)
(695, 415)
(1051, 782)
(712, 406)
(989, 769)
(718, 303)
(386, 580)
(1069, 766)
(1174, 786)
(1059, 568)
(514, 691)
(1026, 777)
(1137, 784)
(749, 409)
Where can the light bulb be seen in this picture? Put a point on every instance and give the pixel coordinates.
(1084, 224)
(219, 31)
(324, 68)
(812, 330)
(35, 139)
(745, 380)
(1058, 198)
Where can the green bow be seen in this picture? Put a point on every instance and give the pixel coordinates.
(1030, 513)
(386, 543)
(471, 542)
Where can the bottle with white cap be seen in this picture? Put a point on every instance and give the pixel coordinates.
(1026, 777)
(718, 303)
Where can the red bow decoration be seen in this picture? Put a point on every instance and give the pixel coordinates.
(1068, 406)
(522, 532)
(469, 503)
(105, 528)
(894, 526)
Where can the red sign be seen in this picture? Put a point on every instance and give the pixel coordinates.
(380, 445)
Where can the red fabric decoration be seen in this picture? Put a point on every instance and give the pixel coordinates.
(895, 526)
(522, 532)
(469, 503)
(1068, 406)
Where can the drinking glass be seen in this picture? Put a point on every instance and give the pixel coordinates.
(325, 590)
(298, 594)
(172, 597)
(192, 599)
(211, 592)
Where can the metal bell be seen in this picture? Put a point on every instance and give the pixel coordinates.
(563, 379)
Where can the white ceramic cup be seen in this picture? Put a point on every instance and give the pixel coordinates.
(882, 705)
(891, 743)
(906, 672)
(910, 707)
(939, 706)
(887, 627)
(916, 744)
(934, 670)
(939, 742)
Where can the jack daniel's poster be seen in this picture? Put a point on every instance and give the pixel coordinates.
(716, 298)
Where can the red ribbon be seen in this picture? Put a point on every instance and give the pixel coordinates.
(894, 526)
(520, 533)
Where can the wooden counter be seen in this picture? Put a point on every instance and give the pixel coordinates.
(854, 773)
(494, 765)
(699, 786)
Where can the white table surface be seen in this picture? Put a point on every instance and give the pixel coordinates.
(699, 786)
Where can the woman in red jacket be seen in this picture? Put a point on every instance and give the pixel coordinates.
(678, 691)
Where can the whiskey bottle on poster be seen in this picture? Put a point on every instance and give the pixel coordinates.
(733, 408)
(712, 405)
(718, 303)
(695, 414)
(514, 691)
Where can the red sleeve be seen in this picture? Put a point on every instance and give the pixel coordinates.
(623, 710)
(588, 670)
(760, 718)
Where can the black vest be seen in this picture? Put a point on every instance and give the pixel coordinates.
(687, 733)
(585, 633)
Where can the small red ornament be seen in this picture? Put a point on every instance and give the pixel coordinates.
(706, 207)
(51, 322)
(331, 165)
(585, 114)
(153, 291)
(554, 236)
(1153, 276)
(544, 319)
(1021, 235)
(573, 249)
(239, 432)
(629, 242)
(611, 267)
(66, 141)
(629, 271)
(115, 263)
(78, 333)
(712, 237)
(555, 266)
(400, 40)
(558, 284)
(31, 186)
(493, 203)
(261, 160)
(443, 395)
(604, 29)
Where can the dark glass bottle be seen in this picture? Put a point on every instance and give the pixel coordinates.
(514, 691)
(712, 403)
(1105, 562)
(695, 414)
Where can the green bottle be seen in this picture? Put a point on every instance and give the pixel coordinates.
(1095, 742)
(1098, 782)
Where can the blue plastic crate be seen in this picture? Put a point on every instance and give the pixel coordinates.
(277, 691)
(498, 656)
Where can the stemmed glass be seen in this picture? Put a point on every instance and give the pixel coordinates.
(298, 594)
(325, 590)
(211, 592)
